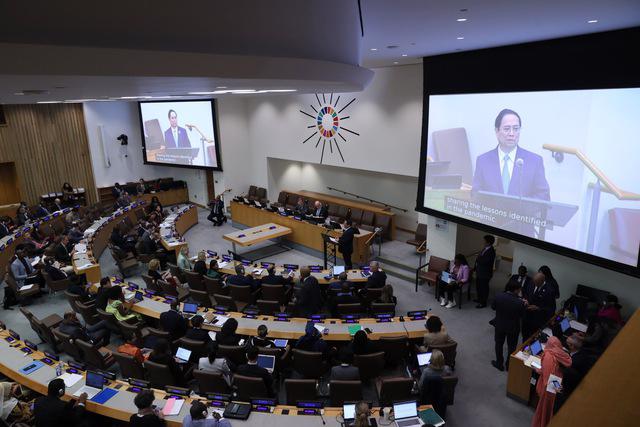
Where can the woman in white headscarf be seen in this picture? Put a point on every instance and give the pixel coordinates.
(10, 406)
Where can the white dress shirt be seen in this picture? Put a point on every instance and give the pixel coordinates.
(175, 135)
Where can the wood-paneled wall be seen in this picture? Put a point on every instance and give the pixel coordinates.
(49, 145)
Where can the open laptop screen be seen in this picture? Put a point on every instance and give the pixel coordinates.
(349, 410)
(405, 410)
(424, 358)
(190, 308)
(183, 354)
(266, 361)
(94, 379)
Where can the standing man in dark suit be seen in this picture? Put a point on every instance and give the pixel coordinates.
(173, 322)
(309, 296)
(345, 242)
(522, 278)
(509, 310)
(217, 212)
(541, 305)
(175, 136)
(484, 270)
(251, 369)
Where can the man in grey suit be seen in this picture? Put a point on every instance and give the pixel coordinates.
(345, 371)
(22, 271)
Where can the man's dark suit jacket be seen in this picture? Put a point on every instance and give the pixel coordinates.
(183, 138)
(62, 253)
(42, 211)
(323, 212)
(257, 372)
(377, 279)
(200, 267)
(273, 279)
(4, 230)
(240, 280)
(51, 411)
(484, 263)
(75, 331)
(509, 310)
(198, 334)
(173, 322)
(148, 245)
(345, 242)
(309, 298)
(488, 176)
(55, 273)
(545, 298)
(345, 373)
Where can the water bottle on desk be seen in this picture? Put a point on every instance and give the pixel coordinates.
(59, 369)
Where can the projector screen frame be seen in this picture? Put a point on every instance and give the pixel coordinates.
(444, 75)
(216, 135)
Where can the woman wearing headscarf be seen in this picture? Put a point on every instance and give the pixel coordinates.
(553, 357)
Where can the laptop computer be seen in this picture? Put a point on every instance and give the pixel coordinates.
(93, 385)
(424, 359)
(565, 325)
(267, 361)
(280, 343)
(189, 310)
(406, 414)
(446, 277)
(337, 269)
(183, 355)
(536, 348)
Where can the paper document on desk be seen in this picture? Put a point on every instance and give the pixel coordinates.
(25, 287)
(172, 407)
(258, 271)
(35, 261)
(533, 362)
(319, 327)
(521, 355)
(548, 332)
(580, 327)
(554, 383)
(70, 379)
(333, 239)
(224, 264)
(220, 320)
(212, 335)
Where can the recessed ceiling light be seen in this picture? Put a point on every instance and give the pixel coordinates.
(460, 38)
(461, 19)
(18, 93)
(373, 49)
(221, 87)
(135, 97)
(395, 62)
(49, 102)
(592, 21)
(404, 54)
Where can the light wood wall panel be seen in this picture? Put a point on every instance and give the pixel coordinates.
(49, 145)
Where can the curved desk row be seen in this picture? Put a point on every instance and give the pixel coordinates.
(87, 252)
(8, 243)
(121, 406)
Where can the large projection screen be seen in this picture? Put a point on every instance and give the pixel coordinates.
(558, 167)
(180, 133)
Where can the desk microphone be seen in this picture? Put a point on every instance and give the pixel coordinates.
(321, 417)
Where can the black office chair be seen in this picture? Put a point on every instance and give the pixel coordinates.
(159, 375)
(210, 382)
(298, 390)
(249, 387)
(344, 391)
(129, 366)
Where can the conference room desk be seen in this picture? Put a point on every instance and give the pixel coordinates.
(302, 233)
(175, 225)
(121, 406)
(351, 204)
(519, 376)
(254, 235)
(174, 196)
(8, 243)
(294, 328)
(97, 239)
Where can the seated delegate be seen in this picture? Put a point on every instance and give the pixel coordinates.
(459, 274)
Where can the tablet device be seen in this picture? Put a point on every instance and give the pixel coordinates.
(536, 348)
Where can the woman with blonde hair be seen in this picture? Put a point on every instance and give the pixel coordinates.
(386, 295)
(436, 367)
(183, 258)
(362, 415)
(157, 274)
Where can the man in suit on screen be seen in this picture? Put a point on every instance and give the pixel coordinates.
(175, 136)
(508, 168)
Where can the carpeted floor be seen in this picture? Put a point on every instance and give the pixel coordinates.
(481, 392)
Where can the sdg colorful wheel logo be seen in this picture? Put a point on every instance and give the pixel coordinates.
(327, 124)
